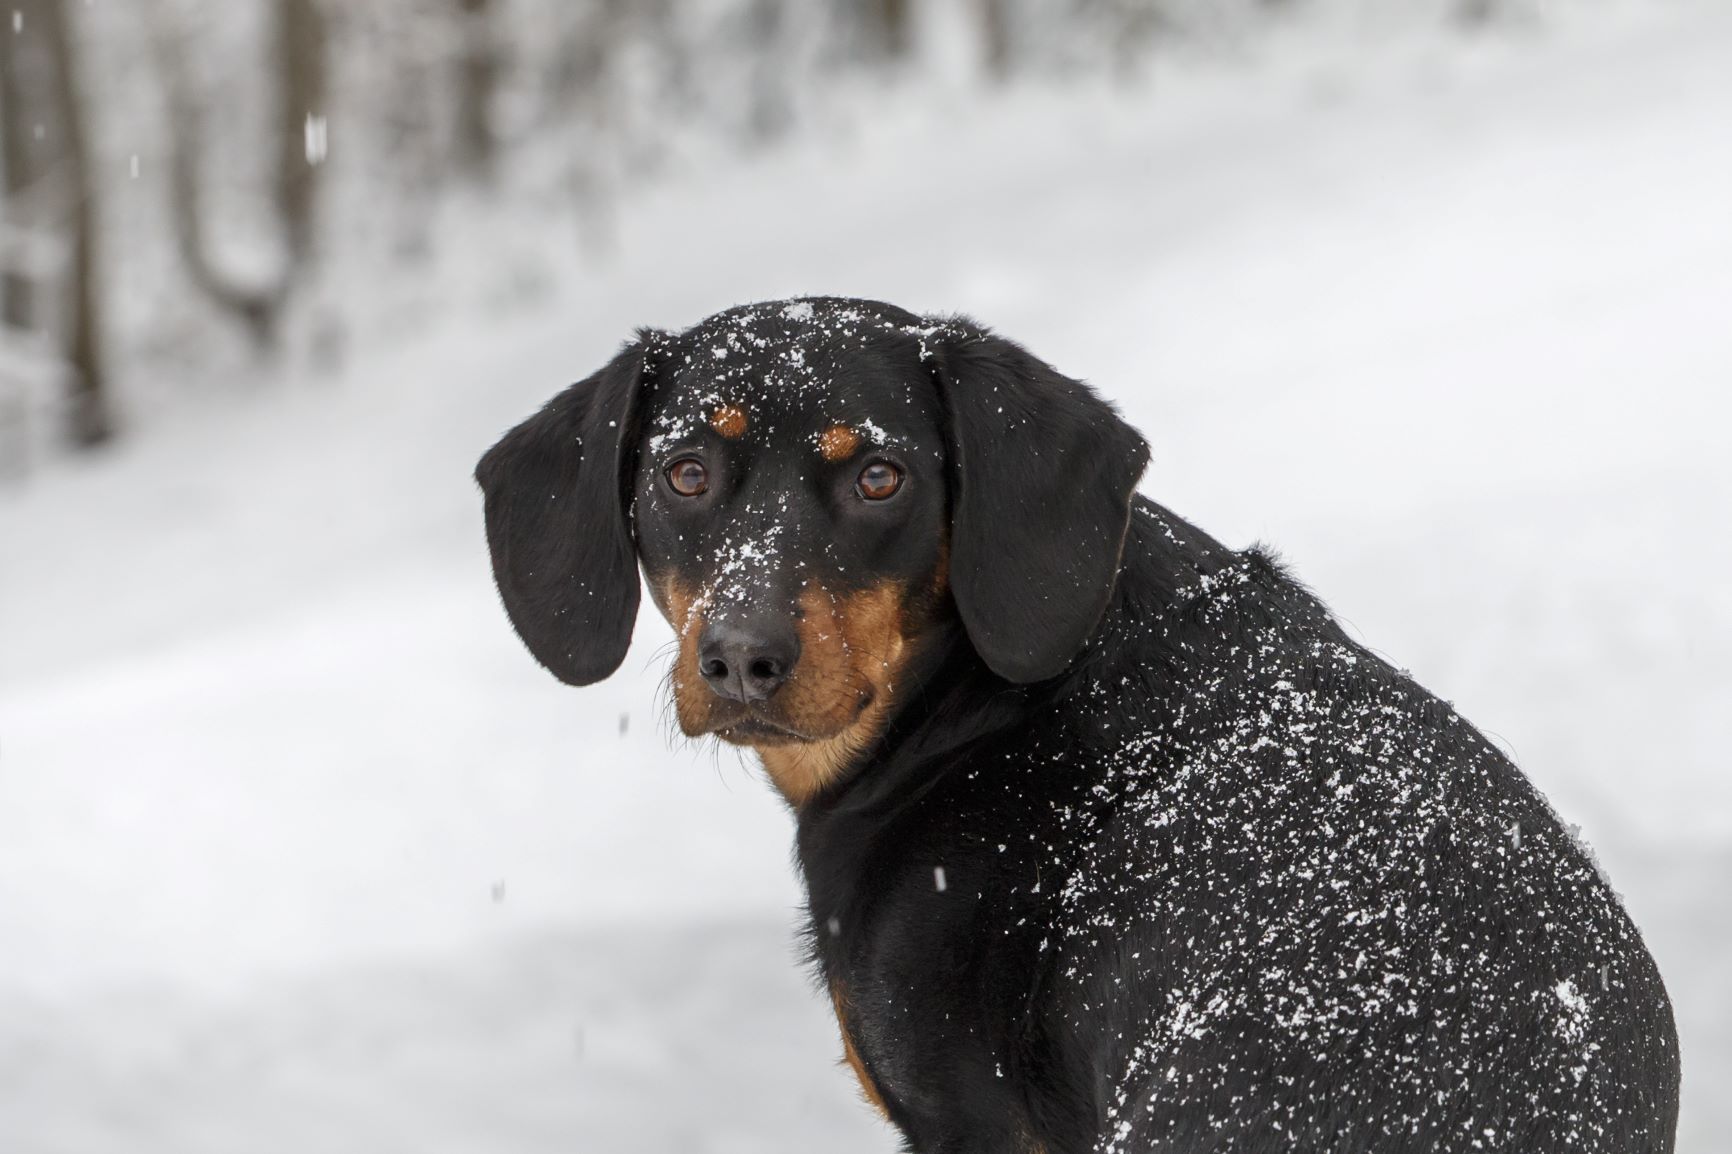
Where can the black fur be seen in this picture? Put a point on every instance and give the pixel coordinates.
(1042, 473)
(1230, 883)
(562, 551)
(1165, 862)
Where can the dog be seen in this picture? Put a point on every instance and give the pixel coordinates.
(1112, 839)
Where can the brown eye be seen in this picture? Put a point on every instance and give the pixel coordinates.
(878, 480)
(688, 477)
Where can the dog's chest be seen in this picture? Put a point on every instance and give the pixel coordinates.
(930, 951)
(918, 1041)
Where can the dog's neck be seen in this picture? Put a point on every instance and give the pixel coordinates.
(1166, 561)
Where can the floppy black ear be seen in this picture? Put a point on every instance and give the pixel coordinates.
(1042, 473)
(556, 495)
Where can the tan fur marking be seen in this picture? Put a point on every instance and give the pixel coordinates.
(681, 608)
(729, 421)
(800, 769)
(855, 642)
(838, 443)
(854, 649)
(868, 1089)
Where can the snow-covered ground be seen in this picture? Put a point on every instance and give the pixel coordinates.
(299, 851)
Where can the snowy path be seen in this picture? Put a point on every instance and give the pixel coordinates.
(300, 852)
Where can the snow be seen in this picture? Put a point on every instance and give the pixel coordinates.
(300, 851)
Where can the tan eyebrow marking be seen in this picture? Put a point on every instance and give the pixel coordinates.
(729, 421)
(838, 443)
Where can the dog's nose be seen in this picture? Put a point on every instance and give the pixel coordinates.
(745, 662)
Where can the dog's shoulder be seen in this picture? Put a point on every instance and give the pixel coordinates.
(1232, 839)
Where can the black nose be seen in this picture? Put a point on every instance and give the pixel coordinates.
(747, 662)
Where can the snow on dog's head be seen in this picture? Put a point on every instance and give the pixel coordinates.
(790, 511)
(820, 492)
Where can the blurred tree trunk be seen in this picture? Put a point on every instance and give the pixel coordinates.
(588, 41)
(887, 22)
(763, 22)
(90, 419)
(301, 69)
(479, 69)
(1136, 24)
(583, 106)
(995, 36)
(415, 152)
(1476, 13)
(254, 306)
(300, 64)
(15, 155)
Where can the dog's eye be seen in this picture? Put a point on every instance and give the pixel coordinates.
(688, 476)
(878, 480)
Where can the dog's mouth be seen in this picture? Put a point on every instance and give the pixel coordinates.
(754, 731)
(755, 726)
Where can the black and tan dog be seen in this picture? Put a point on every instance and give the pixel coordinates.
(1113, 841)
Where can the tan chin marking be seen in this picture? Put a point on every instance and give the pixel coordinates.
(838, 443)
(800, 769)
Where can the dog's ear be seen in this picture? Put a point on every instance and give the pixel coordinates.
(1042, 472)
(557, 490)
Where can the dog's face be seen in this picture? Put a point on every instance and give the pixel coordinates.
(815, 490)
(791, 513)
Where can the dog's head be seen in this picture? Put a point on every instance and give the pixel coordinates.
(816, 490)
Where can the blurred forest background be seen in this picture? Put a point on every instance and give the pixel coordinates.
(191, 186)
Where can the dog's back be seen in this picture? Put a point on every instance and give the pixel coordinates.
(1247, 887)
